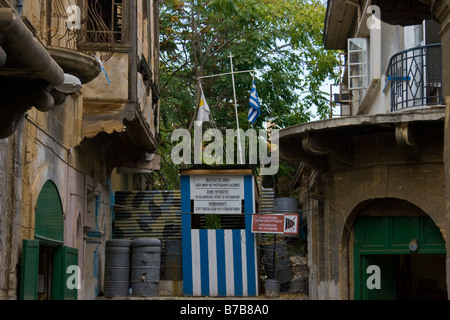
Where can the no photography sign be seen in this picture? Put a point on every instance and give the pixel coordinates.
(286, 224)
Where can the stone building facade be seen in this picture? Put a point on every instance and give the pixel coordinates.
(80, 94)
(373, 184)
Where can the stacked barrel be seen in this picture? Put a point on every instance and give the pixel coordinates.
(145, 267)
(117, 268)
(132, 266)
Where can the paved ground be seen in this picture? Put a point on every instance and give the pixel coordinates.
(282, 296)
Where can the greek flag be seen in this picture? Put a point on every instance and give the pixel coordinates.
(254, 110)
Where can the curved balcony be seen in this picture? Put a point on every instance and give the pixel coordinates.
(415, 77)
(88, 26)
(83, 66)
(68, 27)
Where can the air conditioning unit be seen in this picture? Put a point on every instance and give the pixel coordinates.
(357, 63)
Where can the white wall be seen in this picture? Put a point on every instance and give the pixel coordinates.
(383, 44)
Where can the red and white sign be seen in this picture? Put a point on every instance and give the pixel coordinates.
(286, 224)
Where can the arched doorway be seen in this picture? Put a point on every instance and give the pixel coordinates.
(45, 259)
(399, 253)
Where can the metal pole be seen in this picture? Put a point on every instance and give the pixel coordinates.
(235, 107)
(274, 255)
(228, 73)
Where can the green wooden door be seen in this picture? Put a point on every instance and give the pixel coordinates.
(63, 275)
(387, 265)
(29, 272)
(380, 239)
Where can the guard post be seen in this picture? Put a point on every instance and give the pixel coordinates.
(220, 262)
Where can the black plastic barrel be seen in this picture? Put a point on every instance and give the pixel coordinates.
(117, 268)
(283, 272)
(145, 267)
(173, 268)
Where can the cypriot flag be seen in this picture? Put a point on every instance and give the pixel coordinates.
(203, 111)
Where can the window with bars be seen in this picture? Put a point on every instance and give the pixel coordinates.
(106, 20)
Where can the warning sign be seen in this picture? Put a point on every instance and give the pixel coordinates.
(291, 224)
(217, 194)
(286, 224)
(267, 223)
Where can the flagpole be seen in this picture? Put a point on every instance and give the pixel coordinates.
(236, 110)
(235, 99)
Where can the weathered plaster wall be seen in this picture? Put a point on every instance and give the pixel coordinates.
(381, 169)
(48, 146)
(45, 148)
(10, 205)
(100, 89)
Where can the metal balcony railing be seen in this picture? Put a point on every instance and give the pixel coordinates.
(415, 77)
(89, 32)
(8, 4)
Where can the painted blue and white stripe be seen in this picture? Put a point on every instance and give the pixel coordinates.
(219, 263)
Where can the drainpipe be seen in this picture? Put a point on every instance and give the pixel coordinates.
(149, 31)
(22, 40)
(133, 71)
(3, 56)
(34, 60)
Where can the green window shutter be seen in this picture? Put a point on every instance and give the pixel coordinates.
(49, 215)
(29, 272)
(65, 257)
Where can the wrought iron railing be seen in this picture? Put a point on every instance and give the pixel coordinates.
(415, 77)
(8, 4)
(90, 32)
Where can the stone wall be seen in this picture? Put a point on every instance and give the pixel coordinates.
(46, 147)
(381, 169)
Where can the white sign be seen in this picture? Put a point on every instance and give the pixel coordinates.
(291, 224)
(217, 194)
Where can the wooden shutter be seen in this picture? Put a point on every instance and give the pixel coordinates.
(49, 215)
(65, 257)
(29, 272)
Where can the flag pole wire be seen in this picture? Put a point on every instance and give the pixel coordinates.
(228, 73)
(232, 73)
(228, 159)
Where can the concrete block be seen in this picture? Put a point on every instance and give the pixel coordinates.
(169, 288)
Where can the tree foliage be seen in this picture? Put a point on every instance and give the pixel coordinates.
(284, 38)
